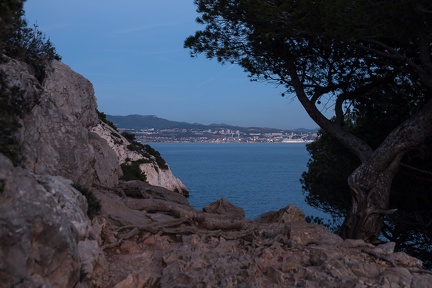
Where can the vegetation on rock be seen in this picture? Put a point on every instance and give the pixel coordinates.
(8, 12)
(13, 106)
(20, 42)
(131, 170)
(30, 45)
(94, 205)
(145, 149)
(103, 117)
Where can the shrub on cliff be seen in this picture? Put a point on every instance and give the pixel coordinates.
(102, 116)
(29, 44)
(131, 171)
(159, 160)
(8, 12)
(146, 150)
(94, 205)
(25, 44)
(13, 106)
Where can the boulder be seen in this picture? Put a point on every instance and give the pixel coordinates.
(140, 189)
(289, 214)
(42, 223)
(224, 207)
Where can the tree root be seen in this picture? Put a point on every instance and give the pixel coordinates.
(204, 220)
(421, 271)
(167, 228)
(379, 256)
(184, 220)
(391, 261)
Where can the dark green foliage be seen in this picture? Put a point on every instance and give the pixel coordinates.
(94, 205)
(325, 182)
(333, 224)
(13, 106)
(129, 136)
(135, 145)
(159, 160)
(131, 171)
(30, 45)
(145, 150)
(9, 9)
(370, 56)
(102, 116)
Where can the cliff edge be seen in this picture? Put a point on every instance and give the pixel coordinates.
(63, 135)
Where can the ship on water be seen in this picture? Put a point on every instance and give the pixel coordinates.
(296, 140)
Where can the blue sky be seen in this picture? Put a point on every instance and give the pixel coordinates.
(132, 51)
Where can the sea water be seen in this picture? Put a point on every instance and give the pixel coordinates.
(259, 177)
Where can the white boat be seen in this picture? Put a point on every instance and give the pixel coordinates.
(289, 140)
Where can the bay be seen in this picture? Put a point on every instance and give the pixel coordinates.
(259, 177)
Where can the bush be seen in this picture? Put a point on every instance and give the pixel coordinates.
(159, 160)
(102, 116)
(129, 136)
(131, 171)
(94, 205)
(8, 13)
(13, 106)
(146, 150)
(30, 45)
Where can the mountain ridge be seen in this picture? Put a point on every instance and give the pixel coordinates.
(138, 122)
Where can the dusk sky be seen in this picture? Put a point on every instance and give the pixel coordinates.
(132, 51)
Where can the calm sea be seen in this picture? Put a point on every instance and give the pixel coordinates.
(258, 177)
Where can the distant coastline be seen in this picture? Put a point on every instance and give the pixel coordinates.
(149, 128)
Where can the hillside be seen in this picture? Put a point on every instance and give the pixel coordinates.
(138, 122)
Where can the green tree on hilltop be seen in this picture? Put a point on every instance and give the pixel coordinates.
(332, 54)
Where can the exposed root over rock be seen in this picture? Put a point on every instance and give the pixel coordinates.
(155, 242)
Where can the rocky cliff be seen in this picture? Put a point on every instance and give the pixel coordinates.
(147, 235)
(63, 135)
(157, 176)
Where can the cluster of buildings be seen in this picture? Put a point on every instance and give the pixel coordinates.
(220, 135)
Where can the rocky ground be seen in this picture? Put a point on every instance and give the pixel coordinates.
(155, 239)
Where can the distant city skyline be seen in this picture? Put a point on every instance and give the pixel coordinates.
(133, 54)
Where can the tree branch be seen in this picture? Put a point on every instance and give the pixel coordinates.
(353, 143)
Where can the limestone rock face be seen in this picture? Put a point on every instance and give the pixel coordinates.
(43, 230)
(63, 135)
(163, 178)
(156, 175)
(55, 135)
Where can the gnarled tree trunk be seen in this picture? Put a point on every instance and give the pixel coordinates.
(371, 182)
(370, 199)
